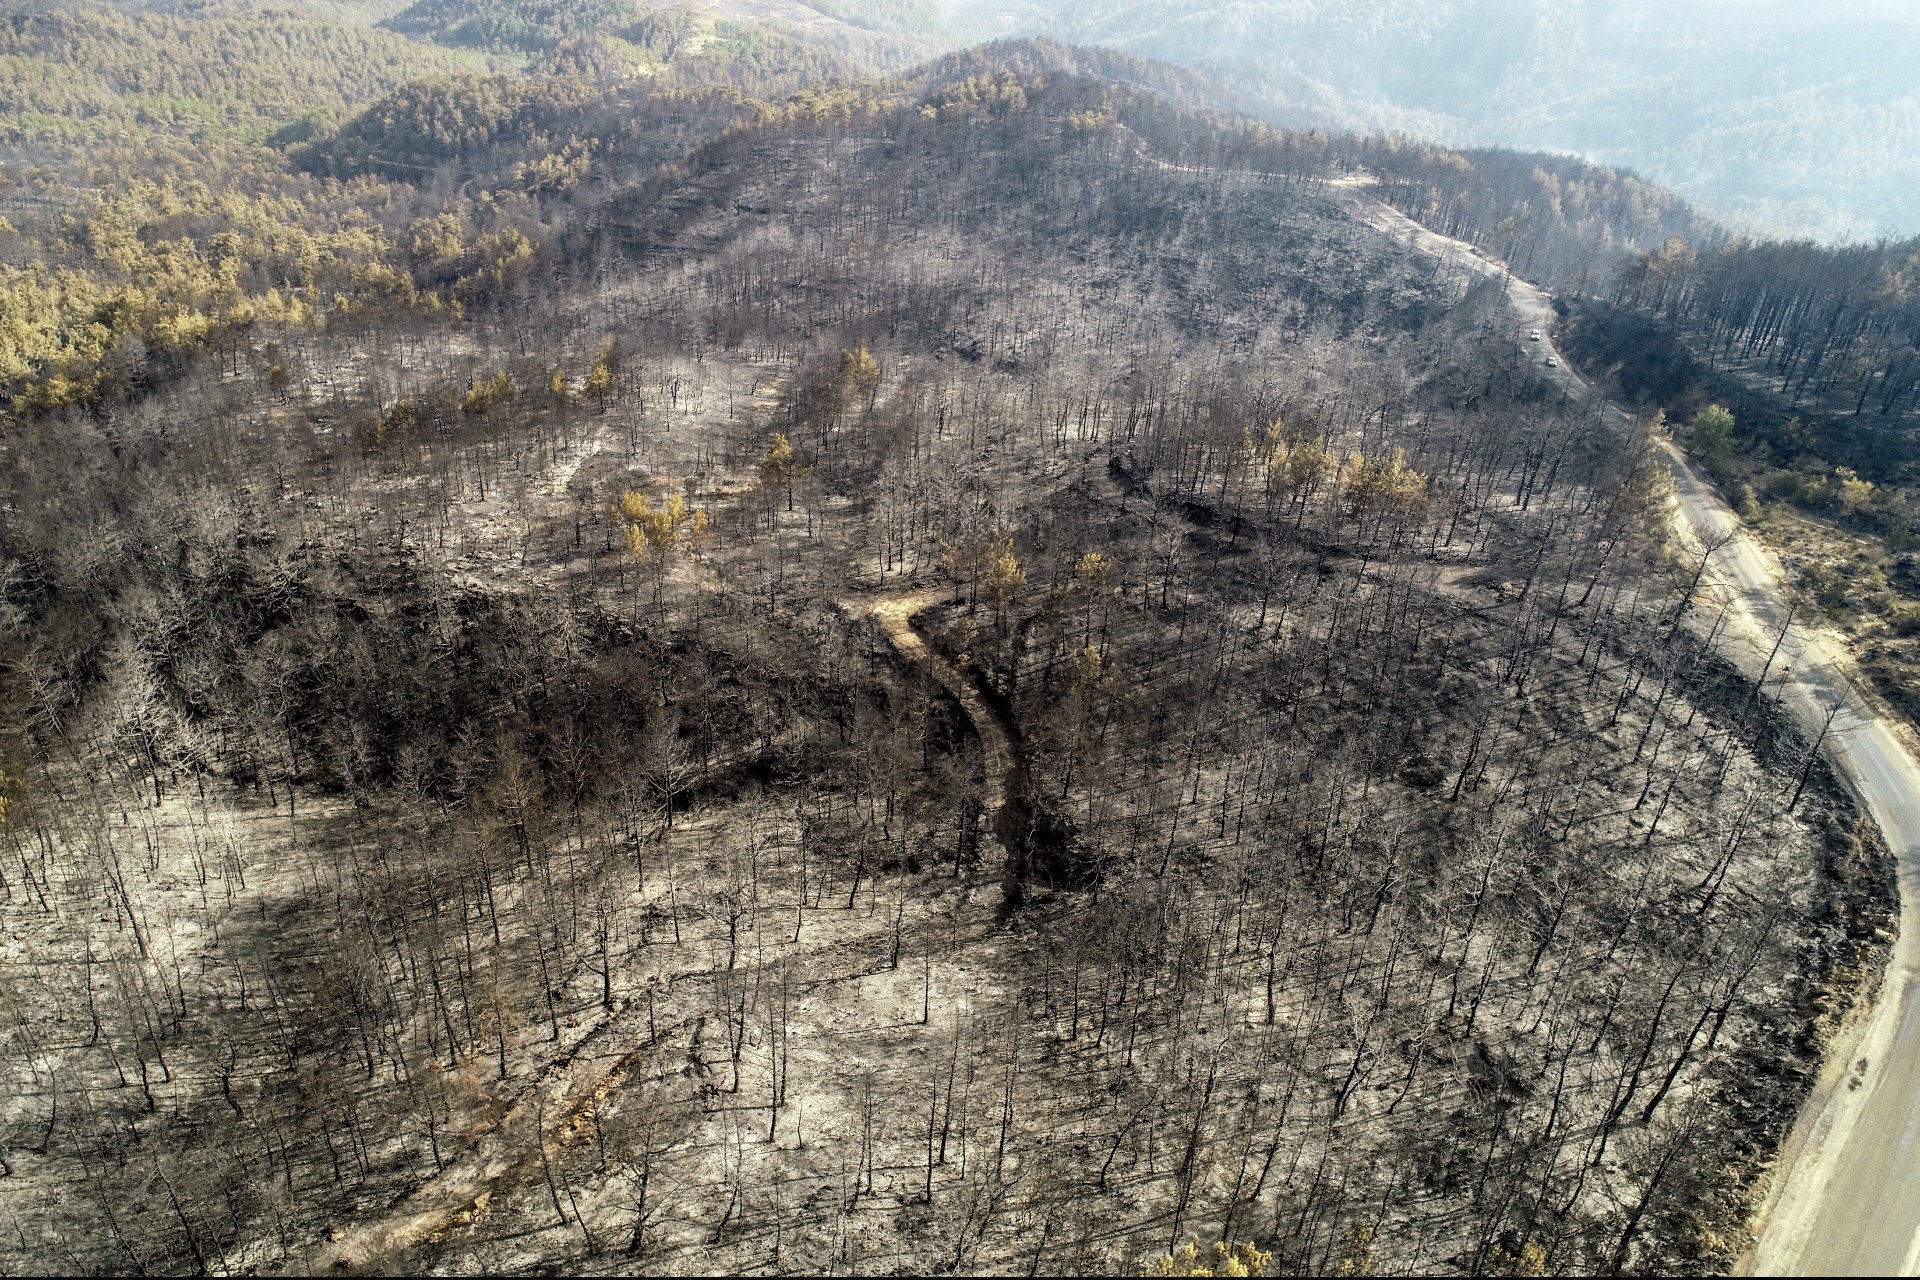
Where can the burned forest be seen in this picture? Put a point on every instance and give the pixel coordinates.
(968, 672)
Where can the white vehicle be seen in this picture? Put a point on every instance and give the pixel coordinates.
(1553, 362)
(1534, 336)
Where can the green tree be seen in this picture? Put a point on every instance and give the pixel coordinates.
(1711, 432)
(1851, 491)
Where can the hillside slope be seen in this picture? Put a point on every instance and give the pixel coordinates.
(468, 816)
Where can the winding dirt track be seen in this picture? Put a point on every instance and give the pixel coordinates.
(1845, 1199)
(895, 613)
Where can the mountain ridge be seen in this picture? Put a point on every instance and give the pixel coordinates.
(1774, 121)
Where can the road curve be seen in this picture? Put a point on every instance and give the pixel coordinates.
(1845, 1196)
(895, 615)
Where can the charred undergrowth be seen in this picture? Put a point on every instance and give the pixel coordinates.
(1390, 878)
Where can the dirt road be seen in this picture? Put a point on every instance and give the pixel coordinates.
(1846, 1198)
(895, 613)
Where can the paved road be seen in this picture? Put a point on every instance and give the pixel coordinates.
(1848, 1200)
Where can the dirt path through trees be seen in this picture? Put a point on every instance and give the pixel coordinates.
(998, 756)
(500, 1161)
(506, 1158)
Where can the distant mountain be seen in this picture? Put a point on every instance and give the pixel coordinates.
(1776, 117)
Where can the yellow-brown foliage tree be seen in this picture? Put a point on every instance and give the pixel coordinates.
(486, 393)
(1222, 1258)
(658, 533)
(1383, 483)
(859, 374)
(777, 466)
(600, 377)
(1003, 573)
